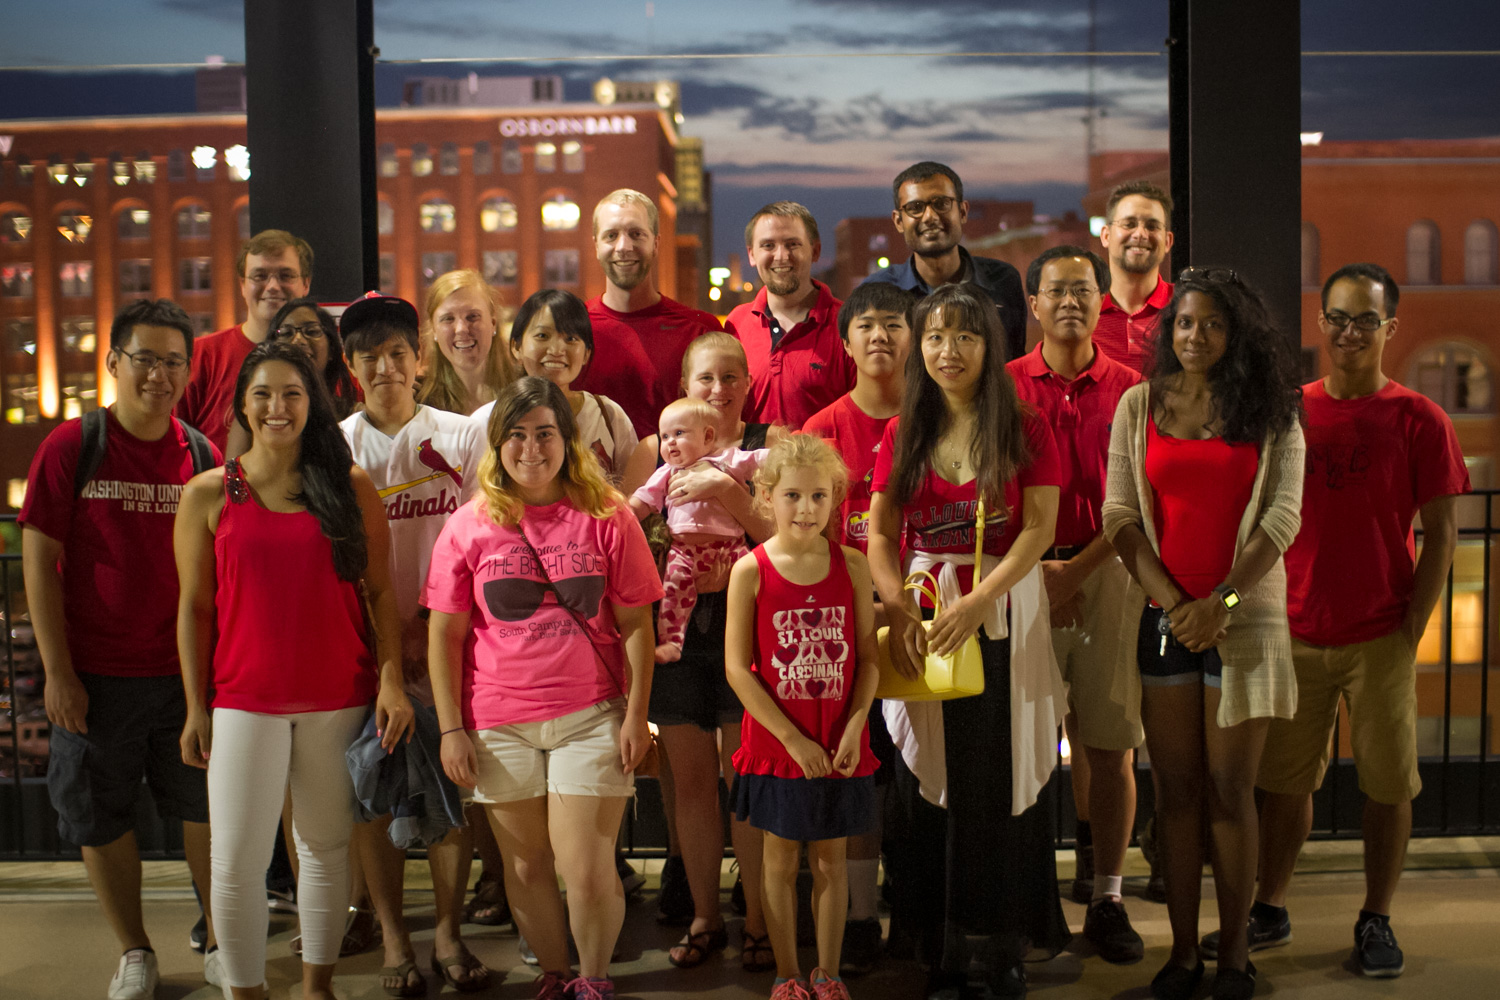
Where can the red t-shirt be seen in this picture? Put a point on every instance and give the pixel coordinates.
(637, 358)
(119, 577)
(804, 656)
(1199, 490)
(1080, 413)
(208, 402)
(1129, 339)
(1372, 463)
(806, 370)
(857, 436)
(940, 515)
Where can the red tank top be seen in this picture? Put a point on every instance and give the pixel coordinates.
(291, 634)
(805, 639)
(1199, 490)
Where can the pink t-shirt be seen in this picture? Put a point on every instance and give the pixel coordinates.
(525, 659)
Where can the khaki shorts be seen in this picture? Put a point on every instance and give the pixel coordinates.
(1087, 655)
(1378, 681)
(577, 754)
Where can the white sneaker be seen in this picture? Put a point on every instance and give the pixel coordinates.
(213, 968)
(136, 978)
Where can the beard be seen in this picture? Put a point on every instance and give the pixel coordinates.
(1145, 265)
(627, 278)
(782, 284)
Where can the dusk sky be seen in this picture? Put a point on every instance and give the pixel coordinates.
(829, 131)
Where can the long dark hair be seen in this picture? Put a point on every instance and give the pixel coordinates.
(1254, 385)
(998, 448)
(336, 377)
(327, 489)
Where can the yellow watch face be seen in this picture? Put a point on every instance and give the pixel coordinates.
(1231, 600)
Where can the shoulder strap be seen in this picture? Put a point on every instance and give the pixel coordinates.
(95, 439)
(198, 444)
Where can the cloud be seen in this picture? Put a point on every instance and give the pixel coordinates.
(977, 135)
(780, 167)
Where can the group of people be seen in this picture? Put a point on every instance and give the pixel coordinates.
(499, 570)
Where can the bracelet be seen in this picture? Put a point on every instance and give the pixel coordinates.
(1176, 606)
(455, 729)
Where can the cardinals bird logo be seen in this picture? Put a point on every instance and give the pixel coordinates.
(428, 456)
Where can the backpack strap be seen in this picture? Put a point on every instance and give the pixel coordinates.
(95, 440)
(198, 444)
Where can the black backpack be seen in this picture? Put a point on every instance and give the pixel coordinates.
(96, 439)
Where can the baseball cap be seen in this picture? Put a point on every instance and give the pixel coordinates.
(373, 306)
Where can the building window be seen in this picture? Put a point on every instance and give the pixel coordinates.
(135, 277)
(385, 218)
(242, 221)
(498, 215)
(192, 222)
(421, 160)
(560, 215)
(203, 324)
(76, 278)
(1481, 253)
(16, 281)
(438, 216)
(197, 274)
(1423, 254)
(484, 159)
(510, 157)
(546, 157)
(145, 168)
(560, 267)
(176, 167)
(1309, 255)
(20, 380)
(58, 171)
(21, 398)
(237, 159)
(135, 224)
(119, 169)
(388, 273)
(572, 153)
(83, 169)
(205, 158)
(389, 165)
(20, 336)
(74, 227)
(1455, 377)
(437, 263)
(15, 228)
(78, 334)
(80, 394)
(501, 267)
(448, 159)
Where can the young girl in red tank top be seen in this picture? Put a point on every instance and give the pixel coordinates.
(800, 654)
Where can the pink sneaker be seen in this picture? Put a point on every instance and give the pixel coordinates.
(792, 989)
(825, 987)
(551, 987)
(592, 989)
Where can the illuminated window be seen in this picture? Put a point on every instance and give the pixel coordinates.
(560, 214)
(78, 335)
(203, 323)
(436, 264)
(448, 159)
(388, 273)
(58, 171)
(242, 221)
(192, 222)
(196, 274)
(80, 393)
(204, 159)
(501, 267)
(15, 228)
(25, 170)
(145, 168)
(20, 336)
(546, 157)
(237, 159)
(74, 227)
(83, 169)
(1481, 253)
(1423, 254)
(15, 493)
(385, 217)
(1455, 377)
(76, 278)
(135, 277)
(484, 159)
(572, 153)
(498, 215)
(389, 165)
(421, 160)
(135, 224)
(176, 167)
(510, 157)
(560, 267)
(1310, 261)
(119, 169)
(21, 398)
(16, 281)
(438, 216)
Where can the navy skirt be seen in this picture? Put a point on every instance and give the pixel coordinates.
(805, 808)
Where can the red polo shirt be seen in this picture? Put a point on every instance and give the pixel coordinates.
(1127, 338)
(1080, 413)
(807, 369)
(637, 359)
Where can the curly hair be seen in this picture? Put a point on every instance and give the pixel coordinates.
(324, 462)
(1254, 385)
(803, 451)
(336, 377)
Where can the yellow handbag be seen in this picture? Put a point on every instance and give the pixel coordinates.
(957, 675)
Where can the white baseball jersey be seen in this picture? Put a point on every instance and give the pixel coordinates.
(603, 427)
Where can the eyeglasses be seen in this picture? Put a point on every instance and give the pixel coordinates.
(1078, 293)
(283, 277)
(1365, 322)
(309, 331)
(1209, 274)
(917, 209)
(512, 600)
(145, 362)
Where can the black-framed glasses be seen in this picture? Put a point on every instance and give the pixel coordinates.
(1210, 274)
(145, 362)
(916, 209)
(309, 331)
(1364, 322)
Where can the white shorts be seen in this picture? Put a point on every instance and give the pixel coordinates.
(577, 754)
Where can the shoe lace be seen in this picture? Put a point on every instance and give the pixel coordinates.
(830, 989)
(1379, 930)
(551, 987)
(792, 989)
(586, 989)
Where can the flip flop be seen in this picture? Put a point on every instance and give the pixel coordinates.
(488, 907)
(479, 975)
(404, 973)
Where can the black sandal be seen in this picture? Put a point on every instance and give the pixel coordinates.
(489, 906)
(755, 952)
(698, 947)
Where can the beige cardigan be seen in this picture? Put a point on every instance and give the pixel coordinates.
(1257, 652)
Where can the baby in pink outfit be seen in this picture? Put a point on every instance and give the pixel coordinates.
(706, 539)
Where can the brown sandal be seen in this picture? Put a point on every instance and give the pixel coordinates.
(478, 974)
(403, 975)
(755, 952)
(697, 947)
(489, 906)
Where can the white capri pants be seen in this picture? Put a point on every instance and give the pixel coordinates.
(251, 759)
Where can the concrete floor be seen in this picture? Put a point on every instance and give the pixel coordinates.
(55, 944)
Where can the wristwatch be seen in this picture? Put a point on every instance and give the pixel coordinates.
(1228, 595)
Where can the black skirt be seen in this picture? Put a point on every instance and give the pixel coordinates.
(805, 808)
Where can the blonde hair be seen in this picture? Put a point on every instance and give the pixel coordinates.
(698, 408)
(803, 451)
(625, 197)
(442, 389)
(581, 475)
(713, 340)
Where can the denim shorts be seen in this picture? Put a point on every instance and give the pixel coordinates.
(135, 729)
(1173, 663)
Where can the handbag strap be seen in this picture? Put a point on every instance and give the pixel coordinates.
(924, 583)
(572, 612)
(979, 543)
